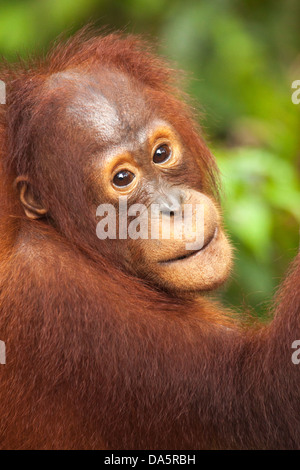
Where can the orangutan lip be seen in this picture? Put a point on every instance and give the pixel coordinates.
(191, 253)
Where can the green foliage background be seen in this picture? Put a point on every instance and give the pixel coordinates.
(242, 56)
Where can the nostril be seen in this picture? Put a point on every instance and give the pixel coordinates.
(170, 204)
(171, 212)
(167, 211)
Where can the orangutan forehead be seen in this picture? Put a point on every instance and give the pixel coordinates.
(107, 104)
(97, 115)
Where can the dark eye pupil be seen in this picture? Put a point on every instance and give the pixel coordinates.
(123, 178)
(162, 154)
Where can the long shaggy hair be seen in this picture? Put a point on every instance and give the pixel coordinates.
(95, 357)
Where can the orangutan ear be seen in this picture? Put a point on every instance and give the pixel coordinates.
(33, 208)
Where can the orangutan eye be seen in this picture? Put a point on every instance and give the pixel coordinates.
(123, 178)
(162, 154)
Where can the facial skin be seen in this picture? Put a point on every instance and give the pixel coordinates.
(140, 155)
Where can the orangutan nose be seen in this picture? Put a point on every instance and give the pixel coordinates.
(170, 203)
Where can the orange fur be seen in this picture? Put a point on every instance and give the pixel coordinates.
(95, 357)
